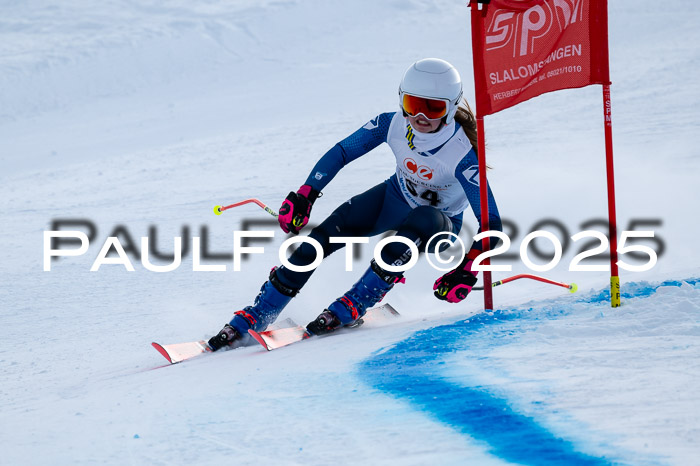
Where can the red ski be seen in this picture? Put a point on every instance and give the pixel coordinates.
(178, 352)
(273, 339)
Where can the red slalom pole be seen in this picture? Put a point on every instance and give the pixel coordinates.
(484, 209)
(219, 209)
(571, 287)
(477, 47)
(612, 220)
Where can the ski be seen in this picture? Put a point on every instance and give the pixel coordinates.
(279, 334)
(274, 339)
(178, 352)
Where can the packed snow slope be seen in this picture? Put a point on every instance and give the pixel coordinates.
(136, 118)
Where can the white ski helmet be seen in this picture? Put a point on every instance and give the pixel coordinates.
(435, 79)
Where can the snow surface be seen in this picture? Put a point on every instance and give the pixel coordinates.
(149, 113)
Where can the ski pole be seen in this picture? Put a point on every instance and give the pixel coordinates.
(571, 287)
(219, 209)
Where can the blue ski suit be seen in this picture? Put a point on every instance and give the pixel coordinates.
(427, 194)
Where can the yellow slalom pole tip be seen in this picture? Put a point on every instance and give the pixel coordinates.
(573, 288)
(217, 210)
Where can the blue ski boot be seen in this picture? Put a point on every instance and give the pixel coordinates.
(273, 297)
(349, 308)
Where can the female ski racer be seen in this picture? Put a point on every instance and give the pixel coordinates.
(436, 179)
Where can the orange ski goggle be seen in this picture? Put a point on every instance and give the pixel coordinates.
(433, 109)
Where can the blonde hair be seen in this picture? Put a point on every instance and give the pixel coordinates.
(466, 119)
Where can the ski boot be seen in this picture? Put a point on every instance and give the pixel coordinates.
(273, 297)
(226, 337)
(347, 311)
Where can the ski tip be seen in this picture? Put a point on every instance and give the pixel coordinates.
(258, 338)
(162, 351)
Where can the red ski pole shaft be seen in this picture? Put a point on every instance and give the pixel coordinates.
(571, 287)
(219, 209)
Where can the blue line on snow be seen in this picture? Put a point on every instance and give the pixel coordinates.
(412, 370)
(638, 290)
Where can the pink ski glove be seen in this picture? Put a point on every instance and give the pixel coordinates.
(455, 285)
(296, 209)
